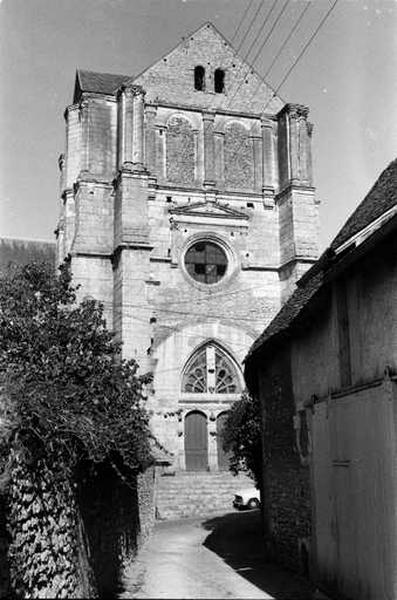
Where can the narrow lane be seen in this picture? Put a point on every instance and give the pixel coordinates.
(210, 558)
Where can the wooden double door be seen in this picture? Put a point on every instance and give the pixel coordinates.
(196, 442)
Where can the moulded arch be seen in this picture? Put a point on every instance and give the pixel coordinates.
(226, 372)
(179, 115)
(233, 122)
(173, 352)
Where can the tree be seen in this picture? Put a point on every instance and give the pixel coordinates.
(66, 392)
(242, 437)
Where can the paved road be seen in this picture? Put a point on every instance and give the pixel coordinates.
(220, 557)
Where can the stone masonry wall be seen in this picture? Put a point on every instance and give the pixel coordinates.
(287, 504)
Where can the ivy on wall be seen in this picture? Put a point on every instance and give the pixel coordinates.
(242, 437)
(66, 396)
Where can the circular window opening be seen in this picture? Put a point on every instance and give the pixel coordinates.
(206, 262)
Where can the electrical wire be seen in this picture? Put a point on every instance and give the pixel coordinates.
(287, 39)
(250, 25)
(303, 51)
(246, 11)
(242, 66)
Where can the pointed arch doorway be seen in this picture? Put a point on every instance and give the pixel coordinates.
(196, 441)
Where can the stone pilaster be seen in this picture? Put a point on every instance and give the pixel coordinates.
(294, 140)
(138, 127)
(219, 159)
(297, 205)
(150, 140)
(73, 144)
(131, 266)
(209, 150)
(258, 162)
(268, 155)
(85, 147)
(125, 153)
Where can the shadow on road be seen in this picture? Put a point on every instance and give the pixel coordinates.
(237, 538)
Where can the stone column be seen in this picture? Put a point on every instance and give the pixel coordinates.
(209, 150)
(138, 127)
(219, 158)
(125, 114)
(258, 162)
(295, 116)
(267, 154)
(150, 139)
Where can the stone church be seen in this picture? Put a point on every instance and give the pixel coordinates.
(187, 208)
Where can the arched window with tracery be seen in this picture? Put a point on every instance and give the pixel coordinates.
(180, 151)
(211, 370)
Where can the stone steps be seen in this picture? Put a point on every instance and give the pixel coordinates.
(191, 494)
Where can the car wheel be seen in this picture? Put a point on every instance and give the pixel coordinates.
(253, 503)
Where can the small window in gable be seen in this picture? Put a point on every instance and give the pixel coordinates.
(219, 81)
(199, 78)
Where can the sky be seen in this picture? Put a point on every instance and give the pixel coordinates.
(347, 78)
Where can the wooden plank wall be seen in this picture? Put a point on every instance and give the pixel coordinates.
(354, 449)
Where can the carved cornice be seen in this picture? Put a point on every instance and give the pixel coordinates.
(131, 90)
(295, 111)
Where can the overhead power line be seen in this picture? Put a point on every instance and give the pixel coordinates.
(280, 14)
(269, 12)
(302, 52)
(239, 84)
(246, 11)
(250, 25)
(287, 39)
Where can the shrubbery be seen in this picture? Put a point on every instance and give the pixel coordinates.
(66, 394)
(242, 437)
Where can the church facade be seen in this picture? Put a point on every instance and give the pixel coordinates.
(187, 208)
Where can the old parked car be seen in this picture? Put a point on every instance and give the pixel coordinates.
(247, 498)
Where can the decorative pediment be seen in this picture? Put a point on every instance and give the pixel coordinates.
(207, 209)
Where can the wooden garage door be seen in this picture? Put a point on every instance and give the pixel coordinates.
(196, 443)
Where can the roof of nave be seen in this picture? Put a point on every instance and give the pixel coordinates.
(380, 200)
(23, 251)
(100, 83)
(166, 79)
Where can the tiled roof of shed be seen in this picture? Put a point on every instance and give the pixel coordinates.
(101, 83)
(289, 311)
(381, 197)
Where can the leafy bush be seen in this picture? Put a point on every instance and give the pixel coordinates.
(66, 392)
(242, 437)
